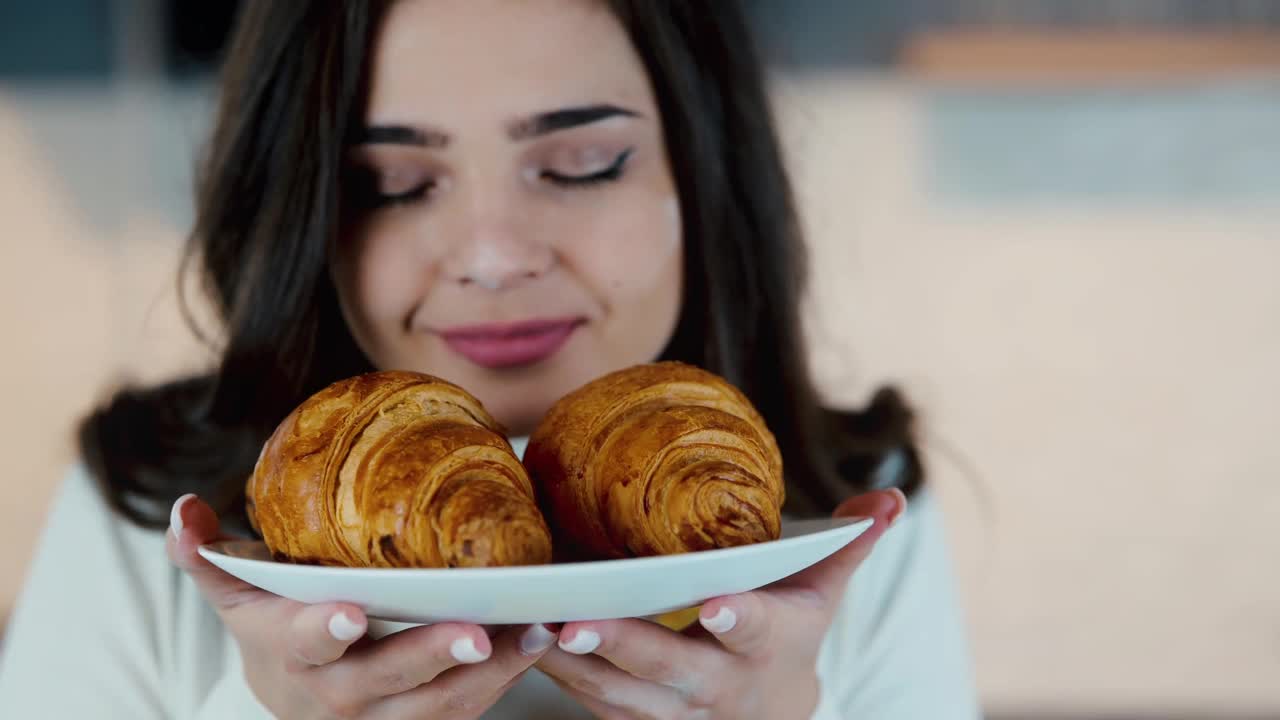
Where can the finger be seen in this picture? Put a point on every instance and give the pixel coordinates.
(650, 652)
(597, 708)
(827, 579)
(320, 634)
(591, 676)
(472, 689)
(193, 523)
(743, 624)
(401, 662)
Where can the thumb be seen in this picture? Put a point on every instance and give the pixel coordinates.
(828, 578)
(193, 523)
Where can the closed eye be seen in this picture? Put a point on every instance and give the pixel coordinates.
(609, 174)
(412, 195)
(366, 188)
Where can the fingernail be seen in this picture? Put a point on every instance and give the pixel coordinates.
(175, 515)
(536, 639)
(464, 651)
(722, 622)
(342, 628)
(903, 497)
(583, 643)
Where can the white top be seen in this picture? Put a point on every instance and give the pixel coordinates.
(107, 628)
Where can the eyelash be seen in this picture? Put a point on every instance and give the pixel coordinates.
(364, 184)
(614, 172)
(407, 197)
(609, 174)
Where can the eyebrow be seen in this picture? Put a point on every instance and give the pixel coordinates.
(400, 135)
(556, 120)
(524, 129)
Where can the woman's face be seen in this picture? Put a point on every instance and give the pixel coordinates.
(517, 229)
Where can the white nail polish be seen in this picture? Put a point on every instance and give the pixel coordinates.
(903, 497)
(586, 641)
(175, 515)
(464, 651)
(722, 622)
(536, 639)
(342, 628)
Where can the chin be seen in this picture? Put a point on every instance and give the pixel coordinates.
(518, 402)
(519, 420)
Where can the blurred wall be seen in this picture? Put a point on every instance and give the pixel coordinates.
(87, 267)
(1095, 359)
(1096, 378)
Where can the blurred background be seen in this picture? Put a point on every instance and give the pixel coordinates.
(1055, 222)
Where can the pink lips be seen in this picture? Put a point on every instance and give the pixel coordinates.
(512, 344)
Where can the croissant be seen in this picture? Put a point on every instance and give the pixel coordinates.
(395, 469)
(656, 459)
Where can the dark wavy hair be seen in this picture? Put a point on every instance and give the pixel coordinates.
(268, 208)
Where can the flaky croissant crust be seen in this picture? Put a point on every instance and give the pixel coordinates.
(395, 469)
(656, 459)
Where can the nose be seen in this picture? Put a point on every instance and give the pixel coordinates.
(495, 255)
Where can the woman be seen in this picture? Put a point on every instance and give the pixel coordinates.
(518, 197)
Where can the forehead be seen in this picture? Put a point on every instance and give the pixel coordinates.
(455, 59)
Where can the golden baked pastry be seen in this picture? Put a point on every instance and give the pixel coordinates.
(395, 469)
(656, 459)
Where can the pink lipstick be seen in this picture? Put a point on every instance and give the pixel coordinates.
(510, 344)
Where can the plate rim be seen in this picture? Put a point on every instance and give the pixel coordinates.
(507, 571)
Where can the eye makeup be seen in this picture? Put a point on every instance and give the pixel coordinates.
(611, 172)
(376, 185)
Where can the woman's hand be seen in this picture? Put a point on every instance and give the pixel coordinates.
(314, 661)
(753, 657)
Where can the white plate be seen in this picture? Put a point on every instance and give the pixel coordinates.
(638, 587)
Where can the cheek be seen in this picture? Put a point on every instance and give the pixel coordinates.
(635, 255)
(376, 286)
